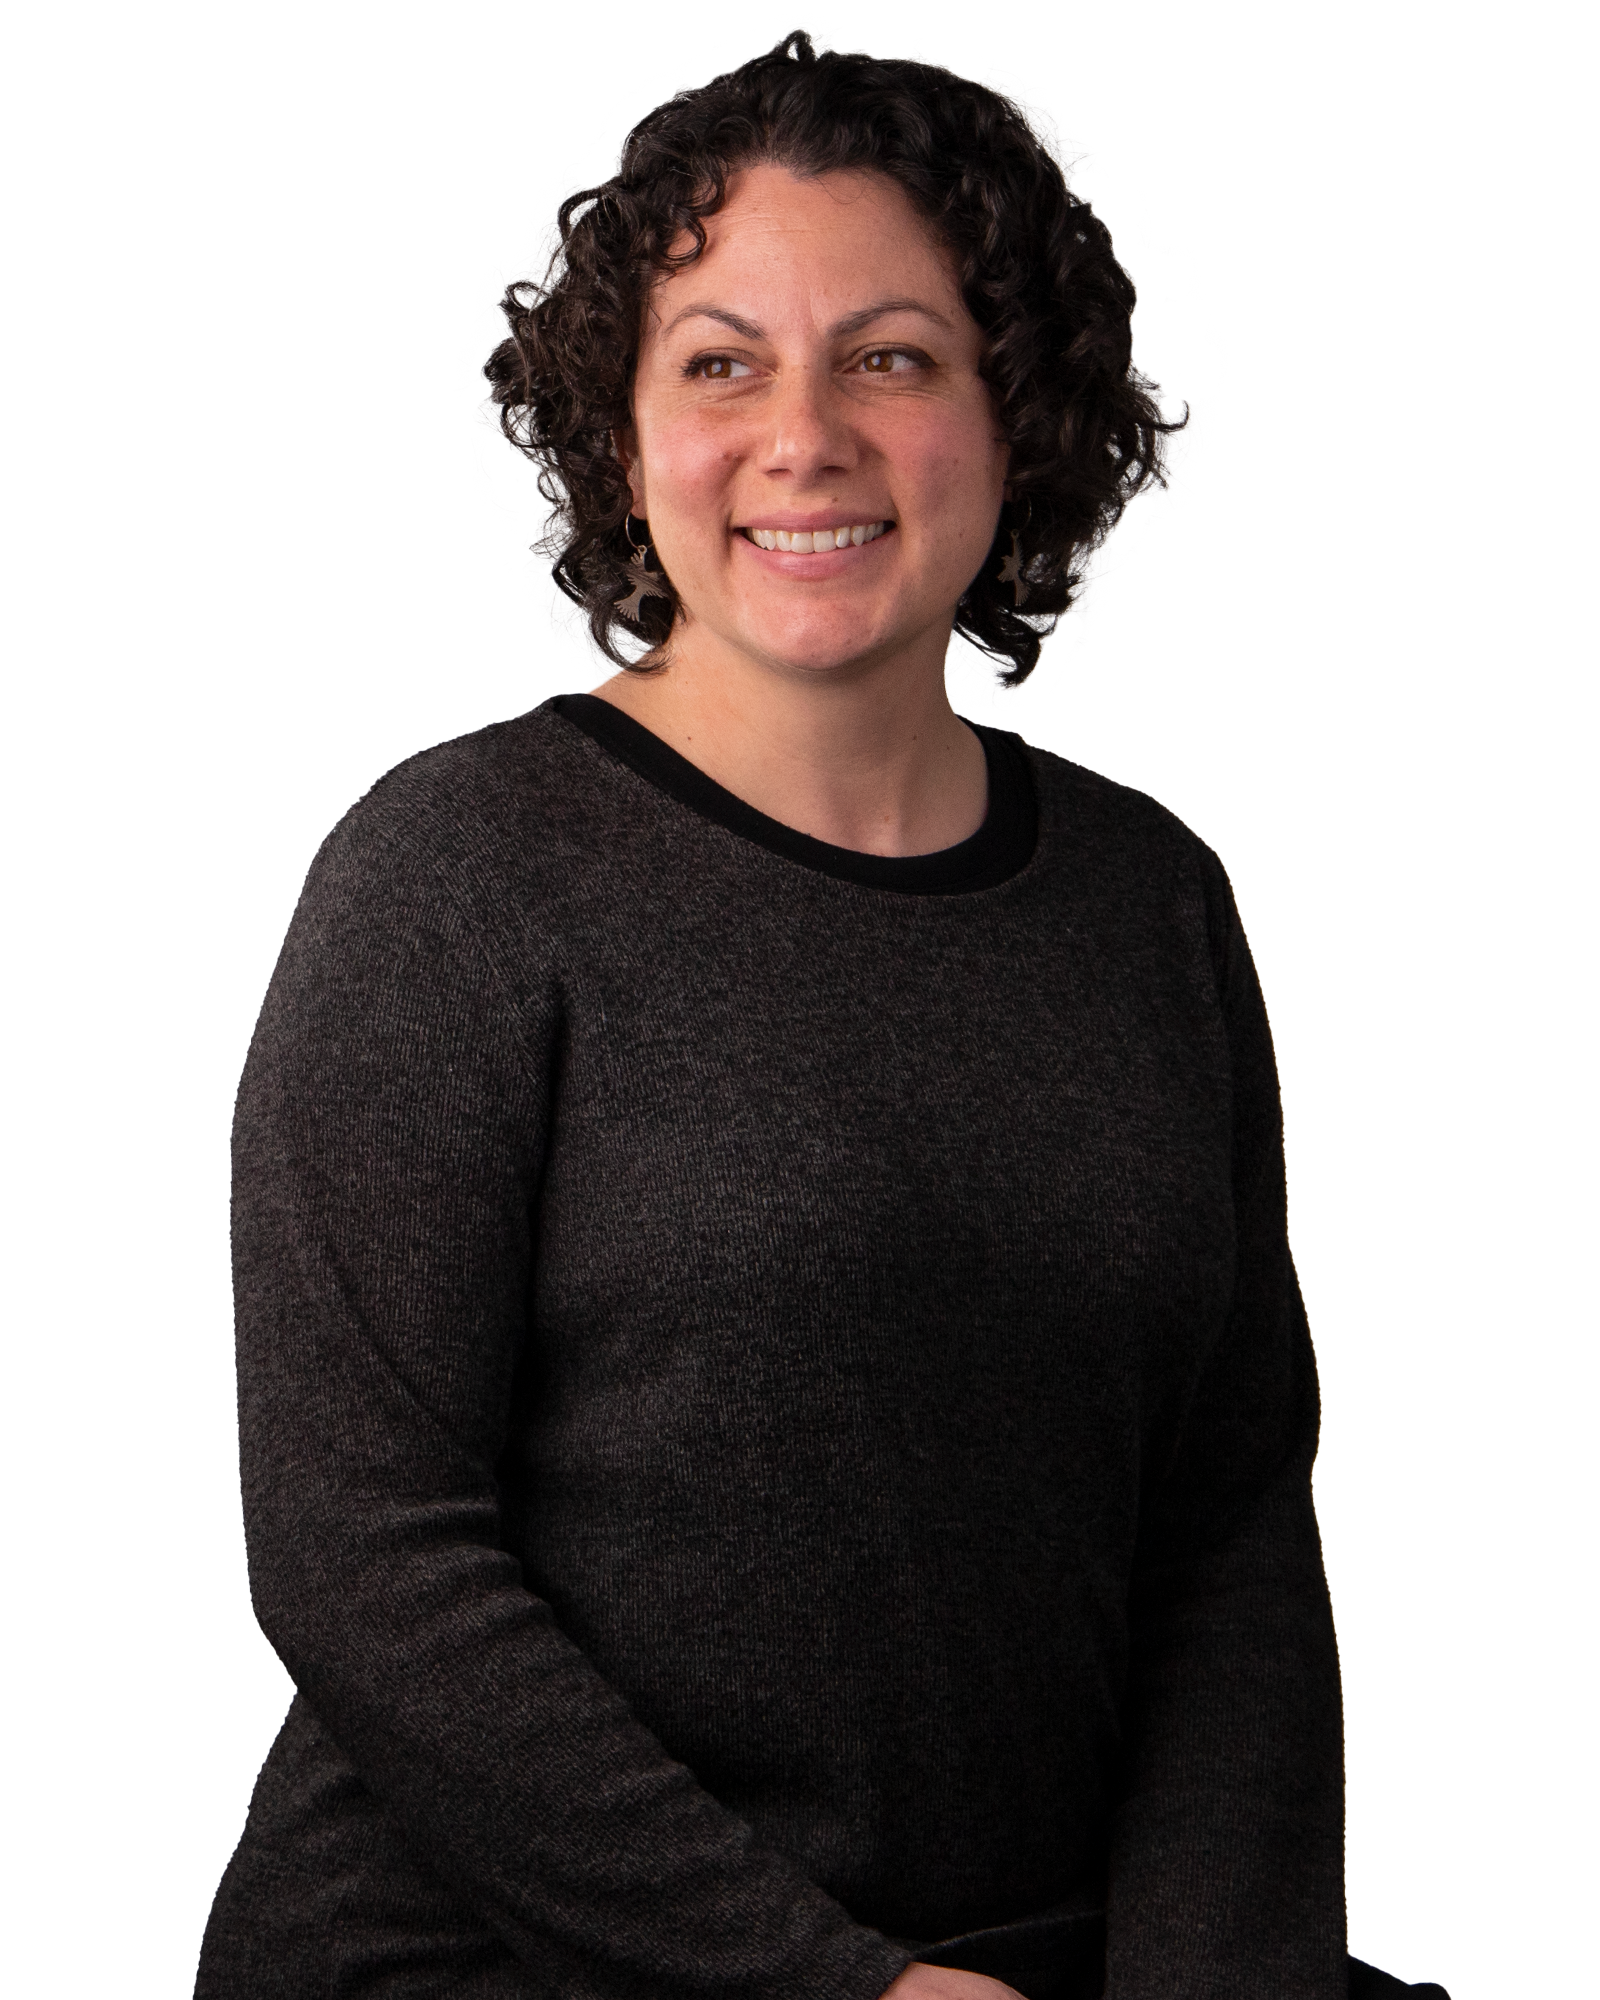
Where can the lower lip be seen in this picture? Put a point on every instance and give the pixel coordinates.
(815, 568)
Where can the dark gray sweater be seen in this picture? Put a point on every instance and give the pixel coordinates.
(776, 1415)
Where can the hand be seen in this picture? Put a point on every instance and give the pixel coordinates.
(944, 1982)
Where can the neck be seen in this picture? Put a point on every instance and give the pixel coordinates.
(872, 759)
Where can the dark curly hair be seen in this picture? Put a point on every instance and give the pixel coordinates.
(1036, 270)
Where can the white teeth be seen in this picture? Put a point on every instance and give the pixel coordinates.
(801, 543)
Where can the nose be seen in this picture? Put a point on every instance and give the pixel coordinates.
(811, 435)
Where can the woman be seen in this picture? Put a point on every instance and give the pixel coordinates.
(777, 1420)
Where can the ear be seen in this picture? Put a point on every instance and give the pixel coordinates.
(626, 448)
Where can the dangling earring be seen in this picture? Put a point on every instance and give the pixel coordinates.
(642, 581)
(1011, 566)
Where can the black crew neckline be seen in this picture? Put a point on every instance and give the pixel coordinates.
(1000, 848)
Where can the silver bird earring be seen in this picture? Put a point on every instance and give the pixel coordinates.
(642, 581)
(1011, 566)
(1011, 569)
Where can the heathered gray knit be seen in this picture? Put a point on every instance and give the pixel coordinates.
(776, 1415)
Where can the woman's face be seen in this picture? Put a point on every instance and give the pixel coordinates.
(815, 371)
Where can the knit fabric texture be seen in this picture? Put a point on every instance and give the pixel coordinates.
(776, 1415)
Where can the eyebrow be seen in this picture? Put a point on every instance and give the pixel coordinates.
(851, 323)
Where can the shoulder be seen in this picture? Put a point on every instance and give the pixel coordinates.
(502, 831)
(455, 873)
(530, 802)
(1080, 806)
(1135, 846)
(533, 777)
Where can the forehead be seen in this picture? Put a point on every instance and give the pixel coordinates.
(826, 236)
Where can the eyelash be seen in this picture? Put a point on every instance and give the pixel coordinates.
(701, 362)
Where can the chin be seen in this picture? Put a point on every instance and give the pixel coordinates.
(831, 645)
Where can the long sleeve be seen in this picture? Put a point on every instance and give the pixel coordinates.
(390, 1135)
(1226, 1878)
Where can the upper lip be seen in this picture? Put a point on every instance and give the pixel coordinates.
(802, 524)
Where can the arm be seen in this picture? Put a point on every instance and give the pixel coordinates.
(1227, 1867)
(388, 1144)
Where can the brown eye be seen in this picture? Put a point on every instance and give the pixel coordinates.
(890, 361)
(718, 368)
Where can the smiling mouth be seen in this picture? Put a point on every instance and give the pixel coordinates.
(816, 541)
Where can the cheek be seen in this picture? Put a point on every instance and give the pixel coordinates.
(951, 466)
(947, 445)
(687, 466)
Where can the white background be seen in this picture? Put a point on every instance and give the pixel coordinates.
(91, 703)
